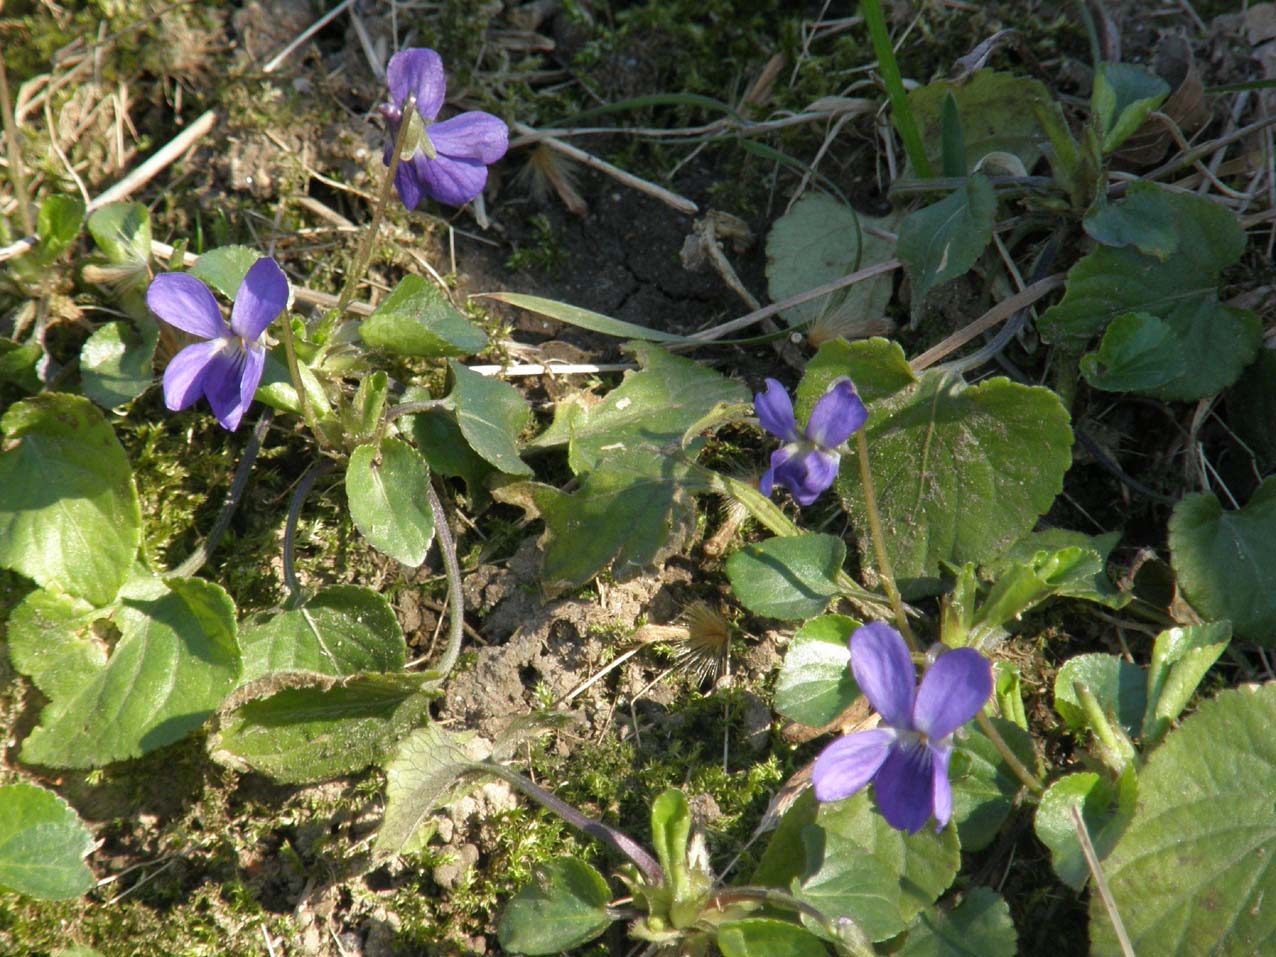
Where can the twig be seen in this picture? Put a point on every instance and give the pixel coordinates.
(140, 176)
(305, 35)
(998, 313)
(1101, 882)
(670, 198)
(567, 368)
(717, 332)
(206, 548)
(1012, 760)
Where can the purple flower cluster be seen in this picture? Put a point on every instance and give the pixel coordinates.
(446, 161)
(807, 463)
(908, 758)
(226, 367)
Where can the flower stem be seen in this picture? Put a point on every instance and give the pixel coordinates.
(206, 548)
(1021, 771)
(615, 839)
(294, 372)
(879, 543)
(455, 598)
(313, 474)
(364, 255)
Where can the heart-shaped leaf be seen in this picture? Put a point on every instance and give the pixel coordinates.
(69, 512)
(953, 482)
(1224, 560)
(942, 241)
(980, 926)
(417, 320)
(787, 577)
(564, 907)
(491, 414)
(1192, 872)
(116, 362)
(388, 491)
(815, 683)
(43, 844)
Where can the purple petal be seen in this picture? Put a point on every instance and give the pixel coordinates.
(849, 763)
(808, 474)
(778, 458)
(904, 786)
(183, 301)
(184, 377)
(942, 796)
(222, 385)
(254, 365)
(449, 180)
(775, 412)
(953, 690)
(261, 297)
(471, 136)
(408, 183)
(837, 415)
(884, 672)
(420, 71)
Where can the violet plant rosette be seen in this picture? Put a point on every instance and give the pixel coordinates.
(907, 760)
(226, 367)
(808, 461)
(447, 160)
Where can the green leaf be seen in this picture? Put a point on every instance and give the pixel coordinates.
(815, 683)
(564, 907)
(670, 832)
(843, 880)
(1223, 560)
(923, 864)
(1142, 220)
(388, 491)
(979, 926)
(417, 320)
(1123, 96)
(116, 362)
(1138, 353)
(43, 844)
(130, 678)
(69, 512)
(57, 225)
(1192, 872)
(1106, 808)
(631, 511)
(1215, 341)
(224, 268)
(123, 232)
(1180, 659)
(650, 409)
(784, 858)
(1251, 407)
(953, 482)
(1074, 565)
(1027, 576)
(1119, 687)
(438, 435)
(277, 391)
(427, 766)
(342, 630)
(942, 241)
(17, 364)
(984, 786)
(995, 112)
(491, 414)
(767, 937)
(820, 240)
(299, 727)
(787, 577)
(952, 143)
(583, 318)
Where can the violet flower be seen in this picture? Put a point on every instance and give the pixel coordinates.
(226, 367)
(807, 462)
(908, 758)
(446, 161)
